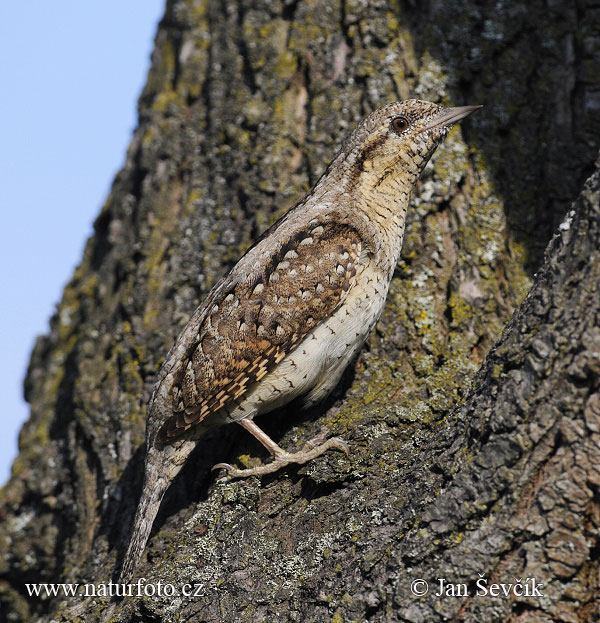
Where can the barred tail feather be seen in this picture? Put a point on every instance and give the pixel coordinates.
(161, 468)
(142, 525)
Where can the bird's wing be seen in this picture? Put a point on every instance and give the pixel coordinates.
(251, 326)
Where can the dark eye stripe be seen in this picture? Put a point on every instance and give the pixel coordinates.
(400, 124)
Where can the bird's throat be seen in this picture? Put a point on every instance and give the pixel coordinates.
(384, 201)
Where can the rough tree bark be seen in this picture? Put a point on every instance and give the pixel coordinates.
(454, 473)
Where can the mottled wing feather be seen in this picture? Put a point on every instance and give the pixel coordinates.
(251, 327)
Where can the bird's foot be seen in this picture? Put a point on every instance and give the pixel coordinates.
(311, 450)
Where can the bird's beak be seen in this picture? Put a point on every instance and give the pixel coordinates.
(450, 116)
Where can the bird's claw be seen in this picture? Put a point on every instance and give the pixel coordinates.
(310, 451)
(333, 443)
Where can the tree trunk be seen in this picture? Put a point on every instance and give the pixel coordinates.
(244, 107)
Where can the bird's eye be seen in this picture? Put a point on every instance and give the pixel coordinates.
(400, 124)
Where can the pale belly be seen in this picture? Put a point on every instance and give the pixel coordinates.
(315, 366)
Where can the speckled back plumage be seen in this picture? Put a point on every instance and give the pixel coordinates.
(251, 326)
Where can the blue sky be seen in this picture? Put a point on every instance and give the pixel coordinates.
(71, 73)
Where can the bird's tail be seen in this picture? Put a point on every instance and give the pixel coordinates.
(152, 494)
(160, 469)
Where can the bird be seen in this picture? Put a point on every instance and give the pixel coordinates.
(289, 317)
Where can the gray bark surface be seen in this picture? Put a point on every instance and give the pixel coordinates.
(465, 463)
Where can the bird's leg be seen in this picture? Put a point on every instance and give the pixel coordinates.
(281, 458)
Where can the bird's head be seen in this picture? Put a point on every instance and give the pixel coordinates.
(398, 139)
